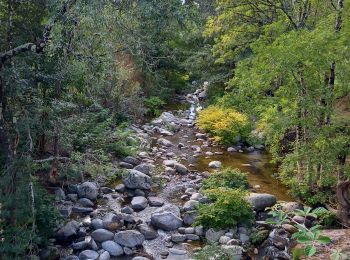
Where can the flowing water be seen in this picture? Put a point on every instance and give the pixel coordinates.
(256, 164)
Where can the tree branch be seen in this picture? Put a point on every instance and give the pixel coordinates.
(36, 47)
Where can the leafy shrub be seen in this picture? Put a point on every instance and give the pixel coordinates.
(308, 237)
(153, 104)
(225, 124)
(228, 208)
(227, 178)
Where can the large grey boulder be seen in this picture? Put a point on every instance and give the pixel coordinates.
(129, 238)
(139, 203)
(137, 180)
(166, 221)
(145, 168)
(155, 201)
(101, 235)
(97, 223)
(148, 232)
(88, 190)
(113, 248)
(180, 168)
(111, 222)
(260, 201)
(190, 205)
(68, 230)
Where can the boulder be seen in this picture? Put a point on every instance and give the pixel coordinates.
(101, 235)
(97, 223)
(260, 201)
(155, 201)
(85, 202)
(82, 210)
(111, 222)
(129, 238)
(180, 168)
(169, 163)
(68, 230)
(231, 149)
(177, 238)
(166, 221)
(137, 180)
(139, 203)
(148, 232)
(213, 236)
(145, 168)
(120, 188)
(88, 190)
(88, 254)
(127, 210)
(190, 205)
(126, 165)
(131, 160)
(189, 217)
(164, 142)
(215, 164)
(112, 248)
(105, 256)
(192, 237)
(291, 206)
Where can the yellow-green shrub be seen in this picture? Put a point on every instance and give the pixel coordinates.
(225, 124)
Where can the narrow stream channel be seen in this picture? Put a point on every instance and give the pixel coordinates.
(256, 164)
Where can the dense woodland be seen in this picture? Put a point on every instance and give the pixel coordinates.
(74, 74)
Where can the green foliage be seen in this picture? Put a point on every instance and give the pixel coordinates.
(308, 237)
(28, 217)
(153, 104)
(225, 124)
(227, 178)
(282, 80)
(228, 208)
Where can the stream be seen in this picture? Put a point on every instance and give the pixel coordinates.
(179, 155)
(257, 164)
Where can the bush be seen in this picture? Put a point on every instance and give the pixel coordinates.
(227, 178)
(27, 217)
(228, 208)
(226, 124)
(153, 104)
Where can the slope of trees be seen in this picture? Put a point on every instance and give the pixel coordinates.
(291, 68)
(71, 72)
